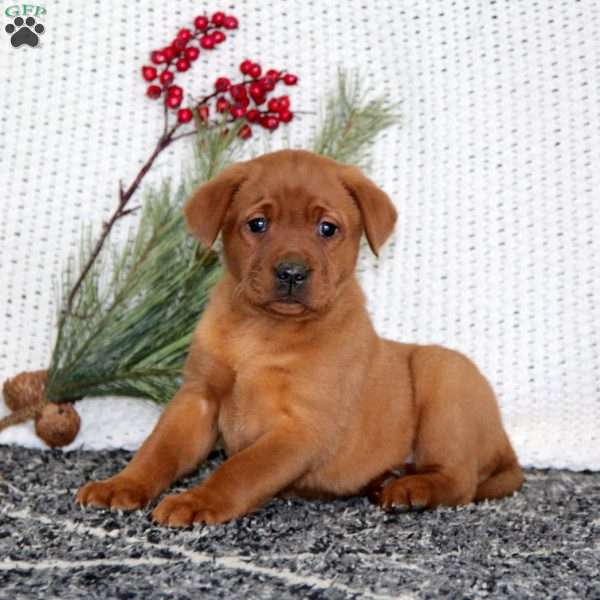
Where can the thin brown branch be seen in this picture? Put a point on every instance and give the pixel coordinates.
(166, 120)
(186, 134)
(124, 197)
(130, 211)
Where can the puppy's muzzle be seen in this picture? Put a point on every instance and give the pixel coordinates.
(290, 278)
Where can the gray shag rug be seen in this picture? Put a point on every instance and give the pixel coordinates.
(542, 542)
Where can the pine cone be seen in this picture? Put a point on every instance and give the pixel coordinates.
(57, 424)
(27, 389)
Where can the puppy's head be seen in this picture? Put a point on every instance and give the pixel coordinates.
(291, 224)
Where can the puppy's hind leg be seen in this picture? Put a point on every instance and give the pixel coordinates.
(459, 430)
(431, 486)
(503, 482)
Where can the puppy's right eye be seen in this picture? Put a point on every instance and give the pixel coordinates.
(258, 225)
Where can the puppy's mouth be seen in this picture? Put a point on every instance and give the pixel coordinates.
(287, 306)
(279, 301)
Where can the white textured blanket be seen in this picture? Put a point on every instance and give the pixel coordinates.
(494, 172)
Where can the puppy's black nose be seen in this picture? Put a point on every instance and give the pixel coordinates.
(291, 273)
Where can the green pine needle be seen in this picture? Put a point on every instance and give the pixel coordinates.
(351, 122)
(129, 334)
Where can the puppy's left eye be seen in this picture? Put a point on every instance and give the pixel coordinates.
(327, 229)
(258, 225)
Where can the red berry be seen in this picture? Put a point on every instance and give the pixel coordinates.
(253, 115)
(157, 57)
(255, 71)
(273, 105)
(173, 101)
(290, 79)
(182, 64)
(285, 116)
(148, 73)
(202, 112)
(245, 132)
(237, 91)
(166, 77)
(175, 90)
(258, 99)
(218, 37)
(201, 23)
(222, 84)
(272, 73)
(284, 103)
(245, 101)
(153, 92)
(230, 22)
(269, 122)
(267, 83)
(184, 34)
(222, 105)
(255, 89)
(191, 53)
(207, 42)
(237, 111)
(218, 18)
(245, 66)
(179, 45)
(184, 115)
(169, 53)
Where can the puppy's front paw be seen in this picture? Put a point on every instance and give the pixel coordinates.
(117, 492)
(181, 510)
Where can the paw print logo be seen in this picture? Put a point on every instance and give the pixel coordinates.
(24, 32)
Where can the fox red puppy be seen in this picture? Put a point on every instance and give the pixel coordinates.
(286, 368)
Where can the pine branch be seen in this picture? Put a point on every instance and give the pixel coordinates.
(350, 122)
(130, 324)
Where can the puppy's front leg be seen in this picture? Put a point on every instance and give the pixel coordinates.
(243, 482)
(184, 435)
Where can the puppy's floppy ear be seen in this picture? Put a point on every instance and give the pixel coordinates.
(205, 210)
(376, 209)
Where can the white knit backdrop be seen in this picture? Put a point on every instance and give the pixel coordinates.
(495, 174)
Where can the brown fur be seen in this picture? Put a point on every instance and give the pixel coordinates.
(307, 399)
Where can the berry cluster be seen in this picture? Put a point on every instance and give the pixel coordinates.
(249, 100)
(179, 56)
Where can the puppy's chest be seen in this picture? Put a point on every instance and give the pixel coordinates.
(260, 391)
(244, 416)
